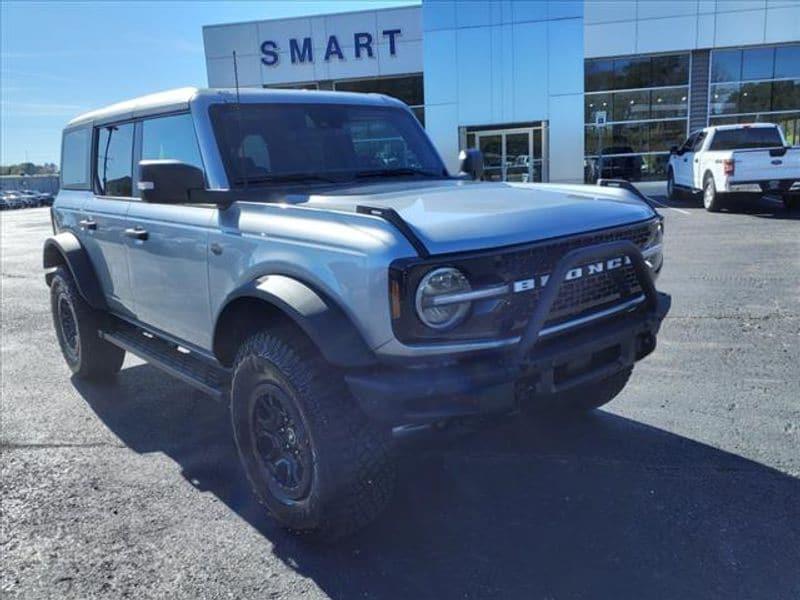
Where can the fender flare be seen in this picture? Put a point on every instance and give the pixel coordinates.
(321, 319)
(65, 249)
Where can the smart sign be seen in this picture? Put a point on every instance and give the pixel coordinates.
(302, 50)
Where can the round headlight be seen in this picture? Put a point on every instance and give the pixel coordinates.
(446, 312)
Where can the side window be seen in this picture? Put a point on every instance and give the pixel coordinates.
(113, 173)
(75, 159)
(171, 138)
(687, 145)
(698, 143)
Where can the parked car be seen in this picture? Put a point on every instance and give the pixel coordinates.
(728, 160)
(329, 299)
(609, 165)
(14, 200)
(30, 199)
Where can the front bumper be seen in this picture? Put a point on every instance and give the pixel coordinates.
(541, 364)
(489, 384)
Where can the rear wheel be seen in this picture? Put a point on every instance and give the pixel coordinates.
(711, 198)
(77, 328)
(312, 457)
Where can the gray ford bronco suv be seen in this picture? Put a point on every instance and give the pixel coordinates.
(307, 257)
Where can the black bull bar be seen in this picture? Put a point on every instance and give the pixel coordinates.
(572, 259)
(486, 382)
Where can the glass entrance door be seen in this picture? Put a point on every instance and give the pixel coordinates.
(510, 154)
(492, 148)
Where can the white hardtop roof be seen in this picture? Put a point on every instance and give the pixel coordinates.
(180, 99)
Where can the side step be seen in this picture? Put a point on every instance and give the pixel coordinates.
(198, 372)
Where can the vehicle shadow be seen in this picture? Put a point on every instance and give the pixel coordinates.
(595, 507)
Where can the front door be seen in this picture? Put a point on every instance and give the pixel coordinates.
(168, 243)
(683, 163)
(511, 154)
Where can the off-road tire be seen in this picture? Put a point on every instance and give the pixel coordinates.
(580, 399)
(352, 474)
(77, 325)
(712, 200)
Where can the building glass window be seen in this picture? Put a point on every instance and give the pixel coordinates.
(758, 63)
(408, 89)
(646, 101)
(787, 61)
(669, 102)
(756, 84)
(726, 65)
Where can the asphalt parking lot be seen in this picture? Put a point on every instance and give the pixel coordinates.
(686, 486)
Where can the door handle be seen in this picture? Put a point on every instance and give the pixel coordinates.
(137, 233)
(88, 224)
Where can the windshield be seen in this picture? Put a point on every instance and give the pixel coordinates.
(746, 137)
(262, 143)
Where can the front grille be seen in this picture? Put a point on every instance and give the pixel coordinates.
(578, 297)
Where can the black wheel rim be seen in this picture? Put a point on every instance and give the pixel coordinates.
(68, 324)
(280, 443)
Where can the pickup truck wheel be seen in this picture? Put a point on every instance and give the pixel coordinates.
(672, 191)
(77, 325)
(711, 199)
(582, 398)
(312, 457)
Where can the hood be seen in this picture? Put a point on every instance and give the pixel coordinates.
(456, 216)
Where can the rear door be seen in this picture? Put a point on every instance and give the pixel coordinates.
(76, 180)
(104, 214)
(169, 245)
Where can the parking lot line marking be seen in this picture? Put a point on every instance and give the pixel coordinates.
(680, 210)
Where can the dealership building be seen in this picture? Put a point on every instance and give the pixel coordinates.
(544, 87)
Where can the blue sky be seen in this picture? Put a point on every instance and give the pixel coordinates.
(58, 59)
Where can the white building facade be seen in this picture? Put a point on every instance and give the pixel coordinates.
(544, 88)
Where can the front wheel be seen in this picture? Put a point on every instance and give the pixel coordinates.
(77, 328)
(672, 192)
(312, 457)
(711, 198)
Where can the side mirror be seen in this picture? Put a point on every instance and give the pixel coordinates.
(169, 181)
(673, 149)
(470, 163)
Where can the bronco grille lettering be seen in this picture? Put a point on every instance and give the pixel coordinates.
(539, 281)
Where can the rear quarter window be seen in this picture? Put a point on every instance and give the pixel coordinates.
(75, 152)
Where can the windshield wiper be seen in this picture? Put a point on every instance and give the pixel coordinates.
(396, 173)
(286, 178)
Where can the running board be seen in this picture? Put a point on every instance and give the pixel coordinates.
(214, 381)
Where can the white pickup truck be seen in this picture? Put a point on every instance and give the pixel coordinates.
(728, 159)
